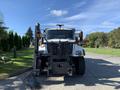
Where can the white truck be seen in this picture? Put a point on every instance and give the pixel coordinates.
(60, 52)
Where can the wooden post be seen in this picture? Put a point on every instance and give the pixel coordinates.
(14, 52)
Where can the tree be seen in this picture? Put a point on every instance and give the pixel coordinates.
(4, 44)
(3, 32)
(25, 41)
(19, 42)
(16, 42)
(11, 40)
(3, 36)
(29, 34)
(91, 38)
(114, 38)
(97, 39)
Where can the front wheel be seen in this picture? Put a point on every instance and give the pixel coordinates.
(80, 66)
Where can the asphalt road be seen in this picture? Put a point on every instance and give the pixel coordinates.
(102, 73)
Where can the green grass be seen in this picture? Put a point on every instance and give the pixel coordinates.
(105, 51)
(24, 59)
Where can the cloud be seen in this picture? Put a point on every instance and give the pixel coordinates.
(108, 4)
(76, 17)
(51, 24)
(48, 8)
(80, 4)
(94, 12)
(58, 12)
(108, 23)
(98, 15)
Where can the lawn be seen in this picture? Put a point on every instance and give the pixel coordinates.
(24, 59)
(105, 51)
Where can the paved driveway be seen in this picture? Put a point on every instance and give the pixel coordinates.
(102, 73)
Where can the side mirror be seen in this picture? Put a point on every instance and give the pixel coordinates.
(44, 31)
(81, 36)
(76, 40)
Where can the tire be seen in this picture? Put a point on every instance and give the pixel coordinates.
(80, 66)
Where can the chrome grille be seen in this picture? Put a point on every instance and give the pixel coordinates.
(59, 48)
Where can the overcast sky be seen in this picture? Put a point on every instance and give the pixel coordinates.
(86, 15)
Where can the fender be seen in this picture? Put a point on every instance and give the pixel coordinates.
(78, 51)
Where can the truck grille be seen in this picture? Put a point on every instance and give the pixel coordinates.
(60, 49)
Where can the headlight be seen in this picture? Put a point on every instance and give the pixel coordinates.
(78, 52)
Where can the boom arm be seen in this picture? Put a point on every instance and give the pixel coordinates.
(36, 56)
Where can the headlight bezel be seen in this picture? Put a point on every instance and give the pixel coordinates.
(78, 52)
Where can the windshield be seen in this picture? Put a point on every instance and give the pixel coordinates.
(60, 34)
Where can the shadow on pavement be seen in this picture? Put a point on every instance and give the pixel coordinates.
(12, 83)
(98, 71)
